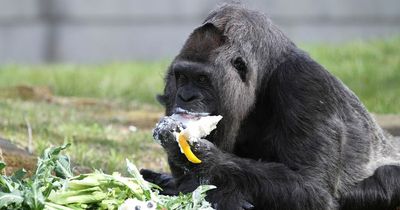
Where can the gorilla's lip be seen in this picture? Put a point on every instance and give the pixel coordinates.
(188, 114)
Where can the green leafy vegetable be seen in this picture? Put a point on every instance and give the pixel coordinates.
(54, 187)
(2, 165)
(10, 198)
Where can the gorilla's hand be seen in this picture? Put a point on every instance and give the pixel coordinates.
(219, 197)
(165, 181)
(205, 150)
(164, 133)
(234, 201)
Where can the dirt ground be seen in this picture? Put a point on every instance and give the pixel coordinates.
(15, 157)
(390, 123)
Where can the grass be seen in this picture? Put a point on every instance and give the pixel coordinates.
(100, 130)
(101, 136)
(138, 81)
(370, 68)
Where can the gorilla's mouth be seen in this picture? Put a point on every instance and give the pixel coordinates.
(188, 114)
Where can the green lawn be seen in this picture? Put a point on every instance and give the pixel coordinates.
(138, 81)
(370, 68)
(124, 95)
(100, 135)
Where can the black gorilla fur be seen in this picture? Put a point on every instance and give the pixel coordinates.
(292, 135)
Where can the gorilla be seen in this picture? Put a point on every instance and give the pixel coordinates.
(292, 135)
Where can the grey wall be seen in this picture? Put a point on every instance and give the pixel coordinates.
(92, 31)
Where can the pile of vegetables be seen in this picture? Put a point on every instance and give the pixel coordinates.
(53, 186)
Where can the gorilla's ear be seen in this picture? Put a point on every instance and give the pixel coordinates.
(162, 99)
(202, 41)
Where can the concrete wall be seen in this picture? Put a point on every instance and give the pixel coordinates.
(92, 31)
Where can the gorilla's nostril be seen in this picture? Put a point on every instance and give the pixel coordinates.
(187, 97)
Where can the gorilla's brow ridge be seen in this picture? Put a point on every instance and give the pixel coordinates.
(192, 66)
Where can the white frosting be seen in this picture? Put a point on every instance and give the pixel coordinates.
(196, 128)
(177, 140)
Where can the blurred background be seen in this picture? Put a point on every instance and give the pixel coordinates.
(88, 71)
(99, 31)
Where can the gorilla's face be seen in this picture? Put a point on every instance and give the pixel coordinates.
(195, 91)
(212, 88)
(197, 84)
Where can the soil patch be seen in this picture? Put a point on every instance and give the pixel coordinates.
(390, 123)
(16, 158)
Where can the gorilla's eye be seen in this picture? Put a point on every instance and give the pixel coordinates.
(240, 66)
(202, 79)
(180, 78)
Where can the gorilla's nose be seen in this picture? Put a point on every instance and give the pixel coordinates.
(188, 96)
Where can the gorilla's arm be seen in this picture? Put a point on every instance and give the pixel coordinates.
(379, 191)
(271, 185)
(241, 181)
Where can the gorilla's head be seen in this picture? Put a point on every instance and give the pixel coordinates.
(222, 66)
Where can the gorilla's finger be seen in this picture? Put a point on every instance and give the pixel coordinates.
(204, 149)
(204, 144)
(149, 175)
(163, 180)
(155, 177)
(164, 131)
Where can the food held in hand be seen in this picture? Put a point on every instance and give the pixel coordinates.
(192, 127)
